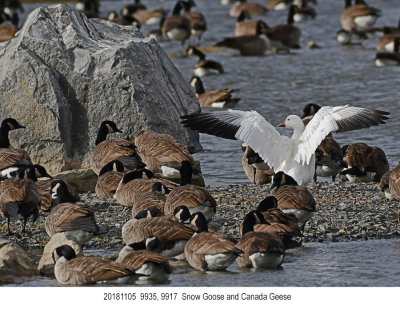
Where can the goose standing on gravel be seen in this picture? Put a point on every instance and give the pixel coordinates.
(294, 156)
(114, 149)
(207, 250)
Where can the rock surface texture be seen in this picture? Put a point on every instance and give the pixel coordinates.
(64, 74)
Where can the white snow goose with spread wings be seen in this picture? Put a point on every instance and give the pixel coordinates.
(293, 156)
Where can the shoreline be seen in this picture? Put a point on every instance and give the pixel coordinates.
(345, 212)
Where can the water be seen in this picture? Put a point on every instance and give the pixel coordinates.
(279, 85)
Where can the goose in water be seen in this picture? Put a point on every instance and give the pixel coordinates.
(295, 156)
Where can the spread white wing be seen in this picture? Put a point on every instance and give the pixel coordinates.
(249, 127)
(335, 119)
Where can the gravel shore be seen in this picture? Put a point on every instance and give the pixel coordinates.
(345, 212)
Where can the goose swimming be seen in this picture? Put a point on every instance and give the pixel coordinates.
(295, 156)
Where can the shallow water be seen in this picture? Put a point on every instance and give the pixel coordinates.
(278, 85)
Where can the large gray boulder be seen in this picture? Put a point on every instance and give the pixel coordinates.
(64, 74)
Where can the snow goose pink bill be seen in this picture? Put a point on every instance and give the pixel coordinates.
(293, 156)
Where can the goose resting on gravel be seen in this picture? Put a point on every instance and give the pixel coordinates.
(295, 156)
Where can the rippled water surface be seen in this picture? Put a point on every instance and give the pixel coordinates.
(278, 85)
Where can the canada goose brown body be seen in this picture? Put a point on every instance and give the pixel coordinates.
(293, 198)
(7, 32)
(159, 150)
(204, 66)
(209, 250)
(255, 175)
(386, 42)
(366, 159)
(148, 199)
(19, 196)
(329, 162)
(169, 232)
(72, 270)
(253, 8)
(45, 194)
(177, 27)
(115, 149)
(358, 17)
(390, 183)
(246, 45)
(123, 20)
(149, 17)
(13, 156)
(109, 179)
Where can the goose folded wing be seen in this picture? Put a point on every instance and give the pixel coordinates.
(249, 127)
(335, 119)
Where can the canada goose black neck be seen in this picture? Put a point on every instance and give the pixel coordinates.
(269, 202)
(252, 218)
(188, 5)
(292, 11)
(197, 84)
(396, 45)
(159, 187)
(151, 243)
(347, 3)
(106, 127)
(280, 179)
(195, 51)
(26, 173)
(186, 171)
(132, 175)
(177, 8)
(244, 15)
(66, 251)
(150, 212)
(310, 110)
(115, 166)
(7, 125)
(199, 221)
(40, 171)
(60, 189)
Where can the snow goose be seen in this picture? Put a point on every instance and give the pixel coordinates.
(295, 156)
(365, 163)
(390, 183)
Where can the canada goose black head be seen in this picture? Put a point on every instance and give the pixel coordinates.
(115, 166)
(150, 212)
(151, 243)
(261, 27)
(199, 220)
(292, 11)
(8, 125)
(63, 251)
(178, 7)
(252, 218)
(244, 15)
(132, 175)
(192, 50)
(182, 213)
(269, 202)
(189, 5)
(186, 171)
(280, 179)
(59, 189)
(24, 173)
(197, 84)
(105, 128)
(159, 187)
(347, 3)
(310, 110)
(40, 171)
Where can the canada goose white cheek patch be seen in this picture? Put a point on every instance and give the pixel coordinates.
(54, 190)
(7, 172)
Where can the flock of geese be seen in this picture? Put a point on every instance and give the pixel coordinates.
(171, 220)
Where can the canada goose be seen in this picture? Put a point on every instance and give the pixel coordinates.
(115, 149)
(329, 158)
(260, 250)
(109, 178)
(310, 110)
(8, 125)
(207, 250)
(69, 215)
(173, 235)
(162, 153)
(197, 20)
(343, 37)
(194, 197)
(19, 196)
(89, 7)
(123, 20)
(293, 198)
(72, 270)
(156, 34)
(359, 17)
(246, 45)
(217, 98)
(253, 8)
(284, 36)
(304, 11)
(149, 17)
(390, 183)
(10, 8)
(389, 58)
(177, 27)
(365, 163)
(142, 256)
(278, 5)
(155, 198)
(203, 66)
(255, 168)
(295, 156)
(245, 25)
